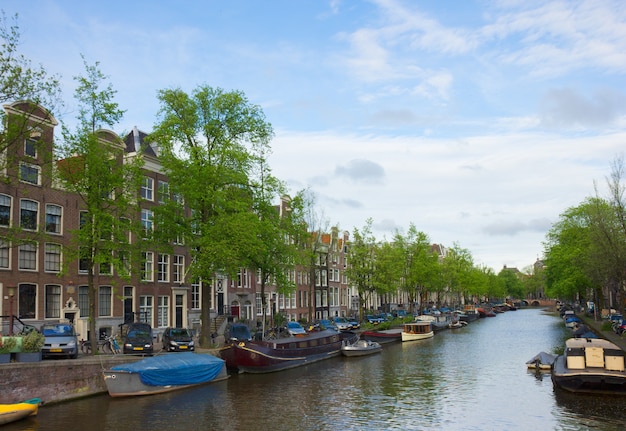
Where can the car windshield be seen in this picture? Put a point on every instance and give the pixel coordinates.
(179, 333)
(58, 331)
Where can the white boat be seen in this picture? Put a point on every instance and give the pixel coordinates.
(164, 373)
(417, 331)
(361, 348)
(590, 365)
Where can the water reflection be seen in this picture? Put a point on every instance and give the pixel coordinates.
(474, 378)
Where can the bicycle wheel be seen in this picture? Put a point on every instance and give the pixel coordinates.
(106, 348)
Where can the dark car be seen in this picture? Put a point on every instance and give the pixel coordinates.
(139, 339)
(178, 340)
(354, 322)
(375, 319)
(60, 340)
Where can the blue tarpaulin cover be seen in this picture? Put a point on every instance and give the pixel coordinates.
(185, 368)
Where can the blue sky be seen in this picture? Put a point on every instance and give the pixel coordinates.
(477, 121)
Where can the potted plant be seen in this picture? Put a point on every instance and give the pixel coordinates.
(31, 347)
(7, 345)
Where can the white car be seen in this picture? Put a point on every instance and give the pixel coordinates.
(342, 323)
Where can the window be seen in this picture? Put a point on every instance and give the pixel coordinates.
(104, 301)
(5, 210)
(195, 295)
(83, 219)
(145, 309)
(163, 308)
(53, 301)
(178, 268)
(52, 257)
(83, 260)
(28, 214)
(124, 258)
(5, 262)
(163, 191)
(83, 300)
(26, 301)
(146, 222)
(259, 303)
(148, 266)
(147, 189)
(27, 256)
(29, 173)
(106, 266)
(53, 218)
(30, 147)
(163, 267)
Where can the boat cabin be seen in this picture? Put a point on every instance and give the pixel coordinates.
(417, 328)
(584, 353)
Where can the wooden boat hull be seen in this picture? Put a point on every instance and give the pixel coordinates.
(282, 354)
(384, 336)
(15, 412)
(415, 337)
(361, 348)
(124, 383)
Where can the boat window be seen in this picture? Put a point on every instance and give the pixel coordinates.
(302, 344)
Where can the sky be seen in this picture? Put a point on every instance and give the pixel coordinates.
(477, 122)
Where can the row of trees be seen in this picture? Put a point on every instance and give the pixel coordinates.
(585, 251)
(411, 264)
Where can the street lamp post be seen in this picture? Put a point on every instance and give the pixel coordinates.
(11, 290)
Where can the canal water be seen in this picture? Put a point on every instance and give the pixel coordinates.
(474, 378)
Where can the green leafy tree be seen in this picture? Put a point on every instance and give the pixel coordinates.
(420, 267)
(361, 257)
(20, 80)
(107, 183)
(212, 143)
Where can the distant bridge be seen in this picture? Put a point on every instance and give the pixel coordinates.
(538, 302)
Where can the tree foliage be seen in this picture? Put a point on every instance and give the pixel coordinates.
(95, 168)
(213, 146)
(21, 80)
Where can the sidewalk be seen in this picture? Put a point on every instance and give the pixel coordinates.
(596, 327)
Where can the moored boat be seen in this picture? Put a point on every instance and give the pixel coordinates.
(384, 336)
(164, 373)
(14, 412)
(541, 361)
(417, 331)
(266, 356)
(590, 365)
(361, 348)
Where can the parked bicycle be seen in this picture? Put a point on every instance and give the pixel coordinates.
(110, 345)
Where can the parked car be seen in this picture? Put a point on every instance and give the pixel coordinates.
(375, 319)
(322, 324)
(139, 339)
(60, 340)
(399, 313)
(342, 323)
(177, 340)
(294, 328)
(354, 322)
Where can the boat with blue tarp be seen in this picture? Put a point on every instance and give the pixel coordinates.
(164, 373)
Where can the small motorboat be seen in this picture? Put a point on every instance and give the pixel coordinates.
(14, 412)
(541, 361)
(361, 348)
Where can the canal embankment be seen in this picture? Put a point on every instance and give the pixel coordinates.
(59, 380)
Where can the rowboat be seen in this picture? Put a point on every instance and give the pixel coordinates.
(14, 412)
(419, 330)
(164, 373)
(361, 348)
